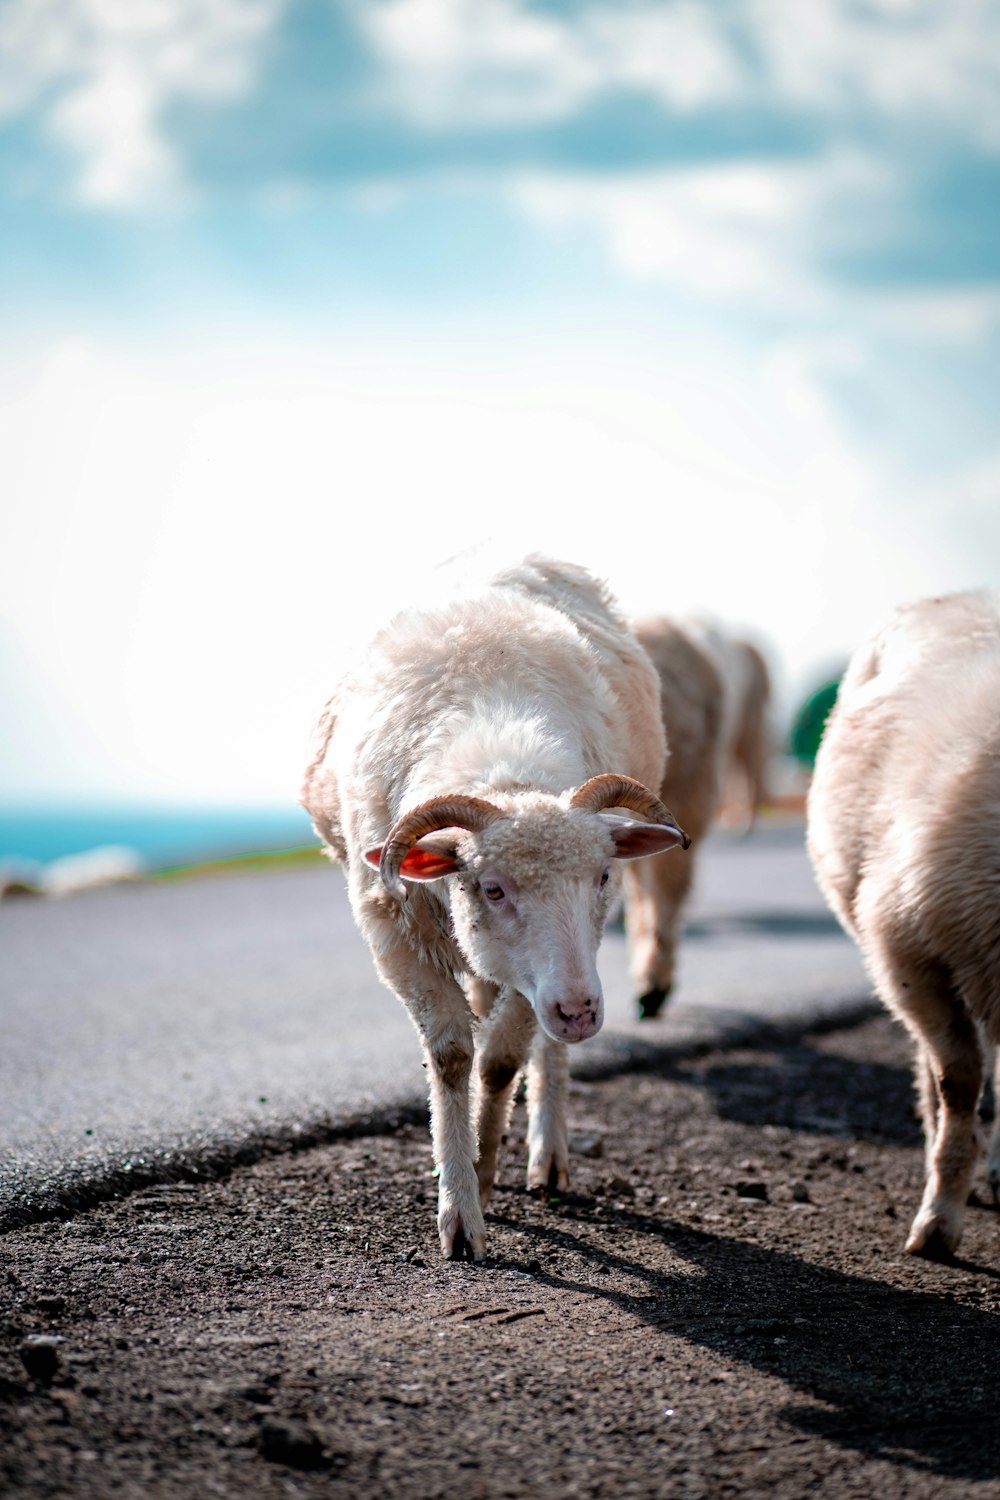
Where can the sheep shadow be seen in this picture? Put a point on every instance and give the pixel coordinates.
(906, 1376)
(782, 924)
(903, 1374)
(813, 1093)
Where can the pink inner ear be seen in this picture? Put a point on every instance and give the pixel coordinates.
(636, 840)
(427, 864)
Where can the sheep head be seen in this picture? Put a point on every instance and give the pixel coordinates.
(533, 878)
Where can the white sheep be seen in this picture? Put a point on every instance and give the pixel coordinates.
(904, 835)
(656, 890)
(464, 774)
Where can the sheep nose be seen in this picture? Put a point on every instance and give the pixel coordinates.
(571, 1013)
(575, 1020)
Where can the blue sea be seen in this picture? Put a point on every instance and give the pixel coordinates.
(162, 836)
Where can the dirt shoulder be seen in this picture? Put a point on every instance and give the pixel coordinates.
(721, 1307)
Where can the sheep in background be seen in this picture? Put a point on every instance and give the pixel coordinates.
(656, 890)
(904, 835)
(465, 774)
(746, 740)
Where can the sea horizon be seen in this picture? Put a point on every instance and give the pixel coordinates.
(161, 834)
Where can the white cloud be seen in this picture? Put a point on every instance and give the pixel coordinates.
(499, 62)
(934, 65)
(733, 231)
(957, 316)
(104, 73)
(490, 62)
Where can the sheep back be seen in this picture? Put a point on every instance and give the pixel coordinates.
(691, 693)
(429, 707)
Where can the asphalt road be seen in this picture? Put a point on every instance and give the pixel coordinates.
(157, 1030)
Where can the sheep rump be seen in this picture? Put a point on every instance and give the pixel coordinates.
(904, 836)
(745, 741)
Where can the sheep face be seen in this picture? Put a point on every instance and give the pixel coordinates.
(529, 896)
(540, 940)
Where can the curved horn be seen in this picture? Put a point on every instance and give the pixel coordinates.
(610, 790)
(455, 811)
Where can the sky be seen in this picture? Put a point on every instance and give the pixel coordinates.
(301, 297)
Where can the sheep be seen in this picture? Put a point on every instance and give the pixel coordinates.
(904, 835)
(746, 736)
(464, 775)
(656, 890)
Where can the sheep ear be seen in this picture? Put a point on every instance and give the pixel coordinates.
(424, 861)
(635, 840)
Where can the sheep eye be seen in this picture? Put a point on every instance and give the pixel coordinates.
(605, 877)
(493, 893)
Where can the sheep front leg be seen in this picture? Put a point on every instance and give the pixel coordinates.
(440, 1011)
(502, 1046)
(461, 1228)
(548, 1087)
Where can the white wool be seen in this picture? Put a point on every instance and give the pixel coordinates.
(514, 689)
(904, 834)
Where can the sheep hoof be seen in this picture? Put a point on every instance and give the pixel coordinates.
(542, 1184)
(457, 1245)
(933, 1240)
(651, 1003)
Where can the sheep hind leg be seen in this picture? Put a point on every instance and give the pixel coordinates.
(502, 1046)
(951, 1065)
(548, 1088)
(655, 892)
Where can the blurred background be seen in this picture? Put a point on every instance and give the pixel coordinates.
(302, 296)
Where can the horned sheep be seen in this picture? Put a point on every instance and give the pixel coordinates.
(904, 835)
(465, 775)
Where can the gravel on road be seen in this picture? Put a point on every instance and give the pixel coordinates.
(721, 1306)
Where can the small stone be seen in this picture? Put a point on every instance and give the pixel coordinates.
(800, 1193)
(754, 1190)
(759, 1325)
(40, 1355)
(295, 1444)
(260, 1395)
(590, 1146)
(621, 1187)
(51, 1304)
